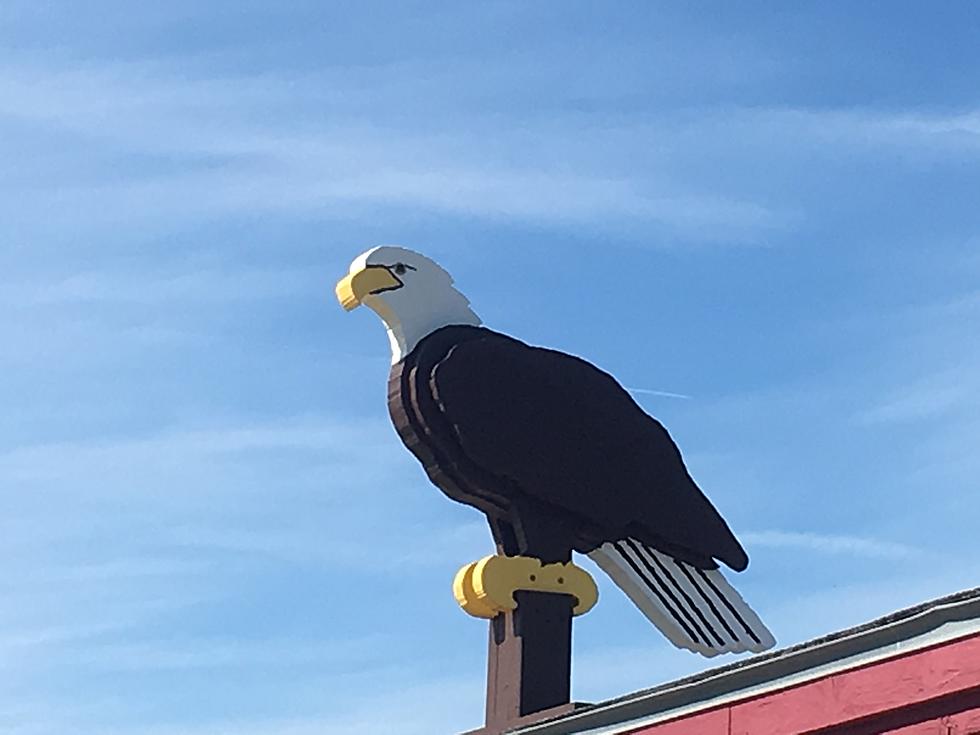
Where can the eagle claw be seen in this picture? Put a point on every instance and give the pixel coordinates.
(486, 588)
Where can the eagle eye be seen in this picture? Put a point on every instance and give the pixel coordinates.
(400, 269)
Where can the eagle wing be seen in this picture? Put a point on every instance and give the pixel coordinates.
(569, 435)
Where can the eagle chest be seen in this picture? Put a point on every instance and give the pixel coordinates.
(428, 436)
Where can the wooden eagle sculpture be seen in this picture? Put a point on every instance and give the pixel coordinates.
(555, 452)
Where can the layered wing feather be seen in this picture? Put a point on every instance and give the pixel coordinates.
(568, 435)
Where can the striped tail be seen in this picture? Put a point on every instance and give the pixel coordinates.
(695, 608)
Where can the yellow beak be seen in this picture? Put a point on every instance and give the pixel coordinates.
(352, 288)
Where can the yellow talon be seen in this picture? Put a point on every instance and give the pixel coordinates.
(466, 596)
(486, 588)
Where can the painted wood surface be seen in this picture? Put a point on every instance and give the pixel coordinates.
(529, 665)
(550, 446)
(962, 723)
(934, 691)
(560, 458)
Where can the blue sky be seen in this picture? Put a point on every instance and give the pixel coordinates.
(207, 524)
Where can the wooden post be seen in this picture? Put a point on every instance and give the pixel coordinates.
(529, 657)
(529, 660)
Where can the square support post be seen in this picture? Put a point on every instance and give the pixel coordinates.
(529, 659)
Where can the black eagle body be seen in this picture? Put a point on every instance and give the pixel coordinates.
(555, 452)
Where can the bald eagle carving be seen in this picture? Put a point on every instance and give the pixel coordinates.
(554, 452)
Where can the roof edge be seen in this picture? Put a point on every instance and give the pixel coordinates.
(932, 623)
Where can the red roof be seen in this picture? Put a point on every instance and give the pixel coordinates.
(914, 672)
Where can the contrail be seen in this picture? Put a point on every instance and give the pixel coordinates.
(663, 393)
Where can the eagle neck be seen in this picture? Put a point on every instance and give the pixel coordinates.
(404, 334)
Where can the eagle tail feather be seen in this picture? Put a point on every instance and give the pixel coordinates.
(696, 609)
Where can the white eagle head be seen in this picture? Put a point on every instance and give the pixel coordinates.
(413, 295)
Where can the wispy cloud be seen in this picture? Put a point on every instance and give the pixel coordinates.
(230, 161)
(451, 705)
(207, 147)
(172, 289)
(813, 611)
(405, 547)
(963, 128)
(866, 128)
(926, 400)
(351, 439)
(936, 376)
(202, 653)
(857, 546)
(171, 483)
